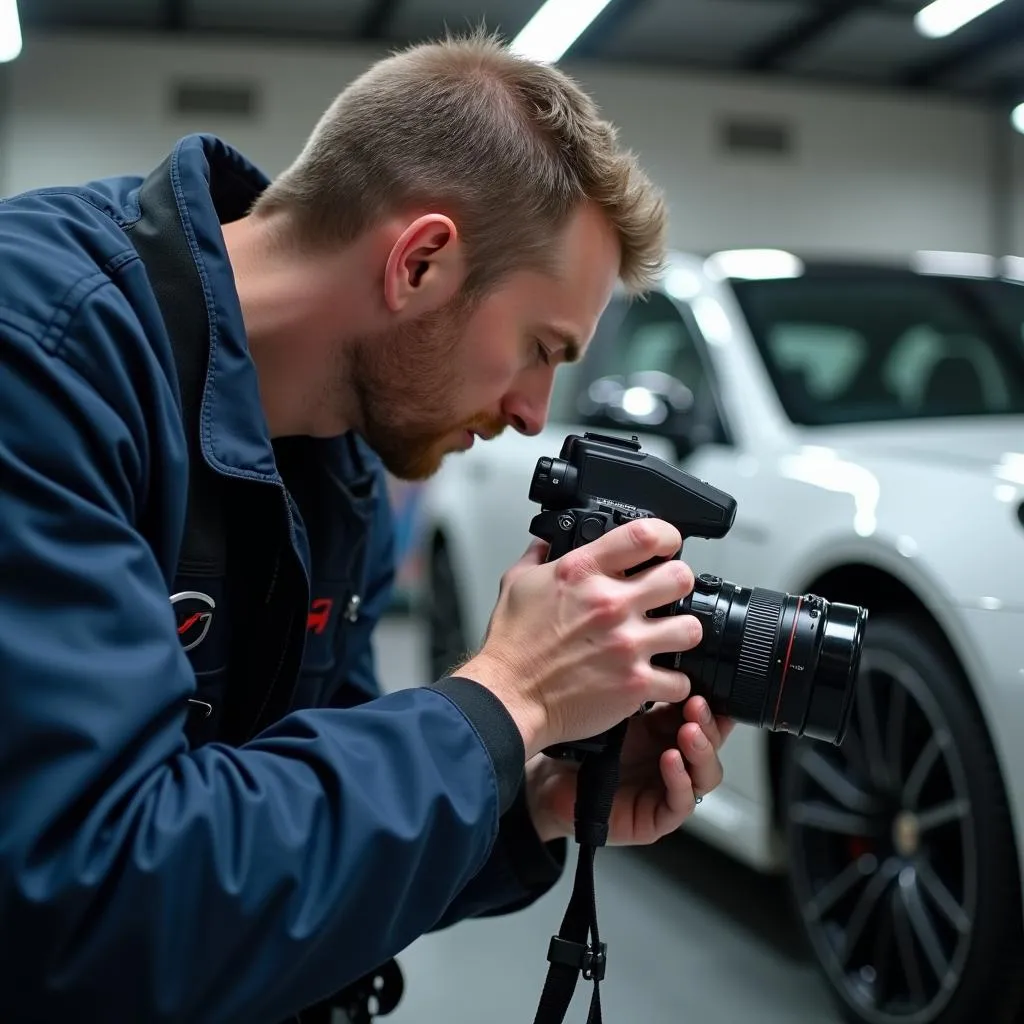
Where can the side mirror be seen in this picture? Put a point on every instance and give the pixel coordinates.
(648, 400)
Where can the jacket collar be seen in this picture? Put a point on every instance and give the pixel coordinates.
(213, 184)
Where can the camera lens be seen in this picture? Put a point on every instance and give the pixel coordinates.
(778, 661)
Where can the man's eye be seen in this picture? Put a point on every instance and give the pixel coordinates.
(543, 354)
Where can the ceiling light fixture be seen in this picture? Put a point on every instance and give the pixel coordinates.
(942, 17)
(1017, 118)
(10, 30)
(555, 27)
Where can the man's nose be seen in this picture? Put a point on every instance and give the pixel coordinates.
(527, 408)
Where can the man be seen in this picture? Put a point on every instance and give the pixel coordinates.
(208, 811)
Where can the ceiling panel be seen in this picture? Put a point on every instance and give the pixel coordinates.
(875, 43)
(307, 17)
(998, 66)
(869, 44)
(133, 13)
(416, 19)
(698, 31)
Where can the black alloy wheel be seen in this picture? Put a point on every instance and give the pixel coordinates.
(901, 853)
(446, 632)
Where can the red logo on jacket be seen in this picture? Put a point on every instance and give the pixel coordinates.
(319, 614)
(193, 612)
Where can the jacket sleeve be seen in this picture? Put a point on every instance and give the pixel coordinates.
(519, 871)
(144, 881)
(521, 868)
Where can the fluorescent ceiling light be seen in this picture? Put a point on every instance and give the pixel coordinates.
(10, 30)
(1013, 268)
(957, 264)
(753, 264)
(555, 27)
(945, 16)
(1017, 117)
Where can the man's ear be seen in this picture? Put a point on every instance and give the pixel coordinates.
(425, 268)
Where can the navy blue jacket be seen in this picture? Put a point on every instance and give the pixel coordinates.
(207, 810)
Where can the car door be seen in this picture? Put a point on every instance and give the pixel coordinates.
(649, 377)
(653, 378)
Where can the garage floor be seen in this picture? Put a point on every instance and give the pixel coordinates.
(693, 938)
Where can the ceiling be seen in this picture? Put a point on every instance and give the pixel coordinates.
(861, 42)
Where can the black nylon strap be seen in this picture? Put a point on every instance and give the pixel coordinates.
(577, 948)
(162, 245)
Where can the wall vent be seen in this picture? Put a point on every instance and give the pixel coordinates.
(751, 136)
(223, 99)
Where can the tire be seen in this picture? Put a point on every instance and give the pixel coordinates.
(446, 631)
(902, 862)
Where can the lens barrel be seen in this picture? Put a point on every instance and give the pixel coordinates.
(778, 661)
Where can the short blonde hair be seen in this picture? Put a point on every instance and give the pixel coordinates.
(508, 147)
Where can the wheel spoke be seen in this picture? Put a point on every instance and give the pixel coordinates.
(899, 925)
(923, 927)
(870, 730)
(894, 732)
(832, 892)
(881, 954)
(942, 897)
(926, 760)
(942, 814)
(853, 751)
(909, 959)
(821, 816)
(866, 903)
(837, 785)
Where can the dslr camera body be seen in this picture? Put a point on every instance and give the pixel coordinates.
(778, 661)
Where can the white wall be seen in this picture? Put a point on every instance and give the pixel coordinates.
(1018, 203)
(872, 173)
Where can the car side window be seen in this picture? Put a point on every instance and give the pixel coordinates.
(656, 338)
(926, 368)
(816, 359)
(645, 370)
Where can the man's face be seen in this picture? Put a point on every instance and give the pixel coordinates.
(426, 389)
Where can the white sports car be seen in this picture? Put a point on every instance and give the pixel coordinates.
(869, 421)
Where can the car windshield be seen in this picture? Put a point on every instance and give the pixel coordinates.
(849, 347)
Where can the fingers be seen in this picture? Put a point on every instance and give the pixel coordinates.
(624, 548)
(534, 555)
(702, 756)
(671, 634)
(716, 728)
(680, 798)
(665, 684)
(660, 585)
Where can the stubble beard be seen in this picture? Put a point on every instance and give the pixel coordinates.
(405, 383)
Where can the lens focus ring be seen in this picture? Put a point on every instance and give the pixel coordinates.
(754, 665)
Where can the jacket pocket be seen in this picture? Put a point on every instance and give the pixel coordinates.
(333, 606)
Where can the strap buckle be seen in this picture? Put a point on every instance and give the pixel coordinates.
(592, 962)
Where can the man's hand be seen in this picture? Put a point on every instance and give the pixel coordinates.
(669, 756)
(569, 645)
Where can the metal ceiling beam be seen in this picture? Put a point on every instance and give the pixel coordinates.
(174, 17)
(817, 22)
(604, 27)
(378, 18)
(900, 8)
(999, 28)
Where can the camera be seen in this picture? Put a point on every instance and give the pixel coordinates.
(782, 662)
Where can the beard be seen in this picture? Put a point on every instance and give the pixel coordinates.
(405, 382)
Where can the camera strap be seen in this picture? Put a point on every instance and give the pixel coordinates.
(577, 948)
